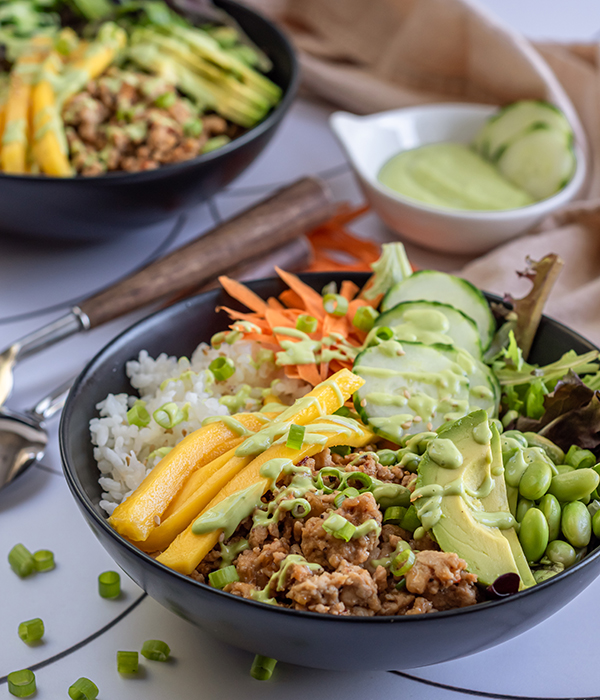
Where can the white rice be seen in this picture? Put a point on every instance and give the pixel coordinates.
(123, 452)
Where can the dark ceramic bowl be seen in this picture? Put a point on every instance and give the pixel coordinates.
(99, 208)
(309, 639)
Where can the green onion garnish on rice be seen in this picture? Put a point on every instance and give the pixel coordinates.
(31, 631)
(222, 368)
(155, 650)
(295, 437)
(169, 415)
(21, 561)
(21, 684)
(128, 661)
(109, 584)
(306, 324)
(83, 689)
(262, 667)
(43, 560)
(221, 577)
(138, 415)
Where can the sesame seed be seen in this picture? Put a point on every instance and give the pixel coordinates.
(417, 419)
(406, 426)
(430, 426)
(363, 403)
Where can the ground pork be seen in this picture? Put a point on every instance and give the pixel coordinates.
(256, 566)
(441, 578)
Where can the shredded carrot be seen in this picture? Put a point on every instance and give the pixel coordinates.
(291, 299)
(238, 291)
(313, 301)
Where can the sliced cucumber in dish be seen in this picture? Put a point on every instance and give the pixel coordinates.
(412, 387)
(431, 285)
(432, 322)
(541, 161)
(513, 121)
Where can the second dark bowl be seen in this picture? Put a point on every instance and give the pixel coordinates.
(99, 208)
(305, 638)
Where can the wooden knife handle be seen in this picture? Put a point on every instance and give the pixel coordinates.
(289, 213)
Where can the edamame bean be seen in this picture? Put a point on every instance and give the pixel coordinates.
(514, 468)
(523, 506)
(535, 481)
(533, 534)
(515, 435)
(550, 507)
(553, 451)
(596, 523)
(387, 457)
(561, 552)
(571, 486)
(576, 524)
(564, 468)
(580, 459)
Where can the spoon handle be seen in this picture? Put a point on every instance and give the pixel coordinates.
(52, 403)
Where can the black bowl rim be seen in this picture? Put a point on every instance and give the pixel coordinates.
(173, 168)
(79, 492)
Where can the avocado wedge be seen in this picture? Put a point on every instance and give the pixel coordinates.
(461, 496)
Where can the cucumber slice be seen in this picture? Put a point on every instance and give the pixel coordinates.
(431, 322)
(412, 387)
(513, 121)
(541, 161)
(431, 285)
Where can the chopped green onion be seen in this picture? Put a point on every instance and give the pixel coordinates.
(361, 477)
(364, 318)
(410, 521)
(579, 458)
(339, 499)
(193, 128)
(159, 452)
(329, 288)
(335, 304)
(155, 650)
(83, 689)
(215, 142)
(222, 368)
(166, 100)
(403, 561)
(331, 472)
(21, 684)
(109, 584)
(218, 339)
(306, 324)
(295, 437)
(169, 415)
(387, 457)
(21, 560)
(341, 450)
(232, 337)
(401, 585)
(43, 560)
(128, 661)
(394, 515)
(351, 492)
(221, 577)
(138, 415)
(262, 667)
(339, 527)
(31, 631)
(384, 333)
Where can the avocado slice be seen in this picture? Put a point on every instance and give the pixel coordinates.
(461, 495)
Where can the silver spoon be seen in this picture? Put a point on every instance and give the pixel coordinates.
(23, 437)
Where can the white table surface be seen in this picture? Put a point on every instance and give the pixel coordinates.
(557, 659)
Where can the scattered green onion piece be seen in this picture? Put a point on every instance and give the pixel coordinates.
(300, 508)
(83, 689)
(403, 561)
(109, 584)
(155, 650)
(138, 415)
(232, 337)
(394, 515)
(335, 304)
(193, 128)
(21, 684)
(166, 100)
(295, 437)
(21, 561)
(387, 457)
(329, 288)
(221, 577)
(43, 560)
(339, 527)
(351, 492)
(364, 318)
(128, 661)
(159, 452)
(169, 415)
(262, 667)
(329, 471)
(410, 521)
(218, 339)
(579, 458)
(342, 450)
(384, 333)
(306, 324)
(215, 143)
(361, 477)
(31, 631)
(222, 368)
(401, 585)
(339, 499)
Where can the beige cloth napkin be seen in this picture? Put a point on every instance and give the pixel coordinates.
(367, 56)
